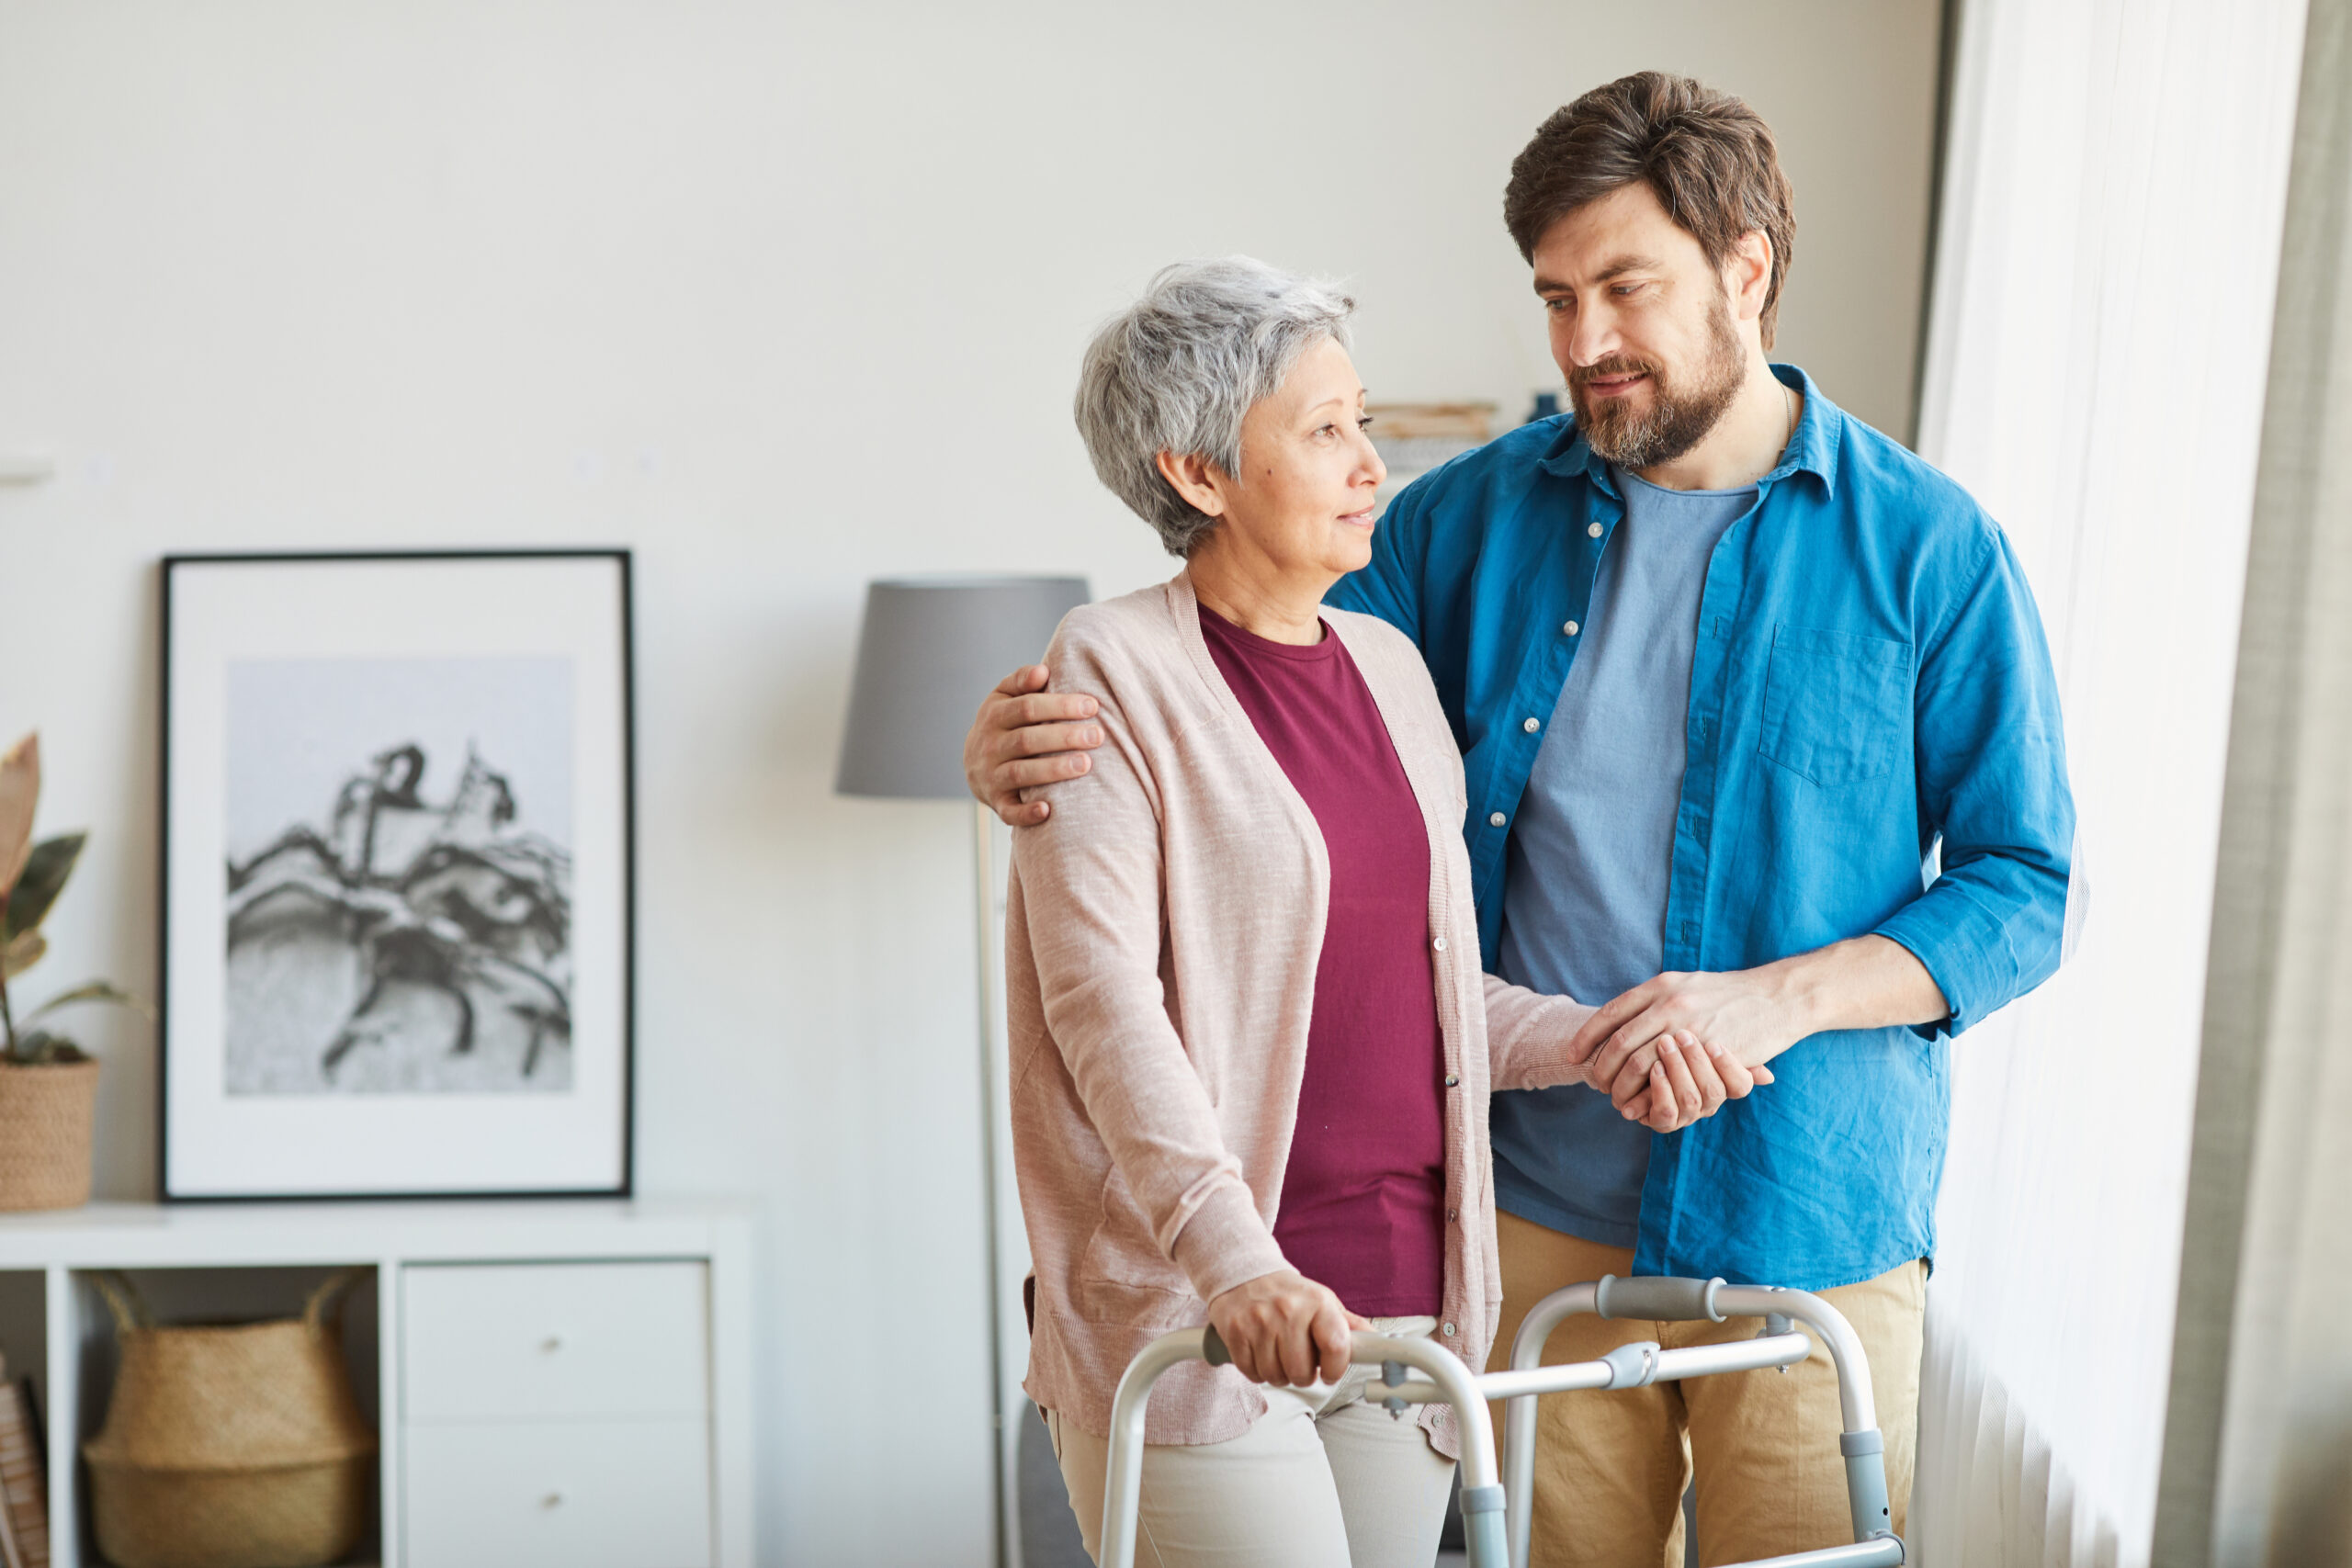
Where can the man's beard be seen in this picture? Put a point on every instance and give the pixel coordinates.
(1679, 417)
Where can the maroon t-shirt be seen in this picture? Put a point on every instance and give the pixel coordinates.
(1363, 1196)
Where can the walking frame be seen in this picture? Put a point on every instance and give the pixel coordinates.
(1496, 1507)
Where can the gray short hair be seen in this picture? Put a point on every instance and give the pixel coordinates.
(1178, 371)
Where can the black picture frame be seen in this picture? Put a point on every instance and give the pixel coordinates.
(176, 569)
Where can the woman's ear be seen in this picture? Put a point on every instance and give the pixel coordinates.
(1195, 479)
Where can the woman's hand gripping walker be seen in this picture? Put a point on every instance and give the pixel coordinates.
(1498, 1530)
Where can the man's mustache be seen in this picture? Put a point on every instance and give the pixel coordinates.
(1616, 365)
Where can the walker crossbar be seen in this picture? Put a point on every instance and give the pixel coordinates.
(1487, 1498)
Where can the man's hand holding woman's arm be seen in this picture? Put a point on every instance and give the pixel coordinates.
(1535, 1041)
(1023, 737)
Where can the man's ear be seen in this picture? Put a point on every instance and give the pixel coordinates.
(1747, 274)
(1193, 477)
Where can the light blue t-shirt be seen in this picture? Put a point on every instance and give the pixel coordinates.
(1584, 905)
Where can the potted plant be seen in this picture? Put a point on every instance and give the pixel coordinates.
(49, 1086)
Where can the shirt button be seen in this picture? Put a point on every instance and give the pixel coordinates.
(1593, 529)
(1438, 944)
(1533, 724)
(1570, 629)
(1496, 819)
(1448, 1331)
(1452, 1080)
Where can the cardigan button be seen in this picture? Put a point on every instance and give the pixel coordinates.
(1453, 1081)
(1448, 1331)
(1438, 944)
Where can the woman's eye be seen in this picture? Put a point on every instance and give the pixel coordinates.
(1364, 422)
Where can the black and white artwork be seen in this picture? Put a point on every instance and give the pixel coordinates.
(399, 876)
(398, 894)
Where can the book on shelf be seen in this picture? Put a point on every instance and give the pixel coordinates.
(23, 1478)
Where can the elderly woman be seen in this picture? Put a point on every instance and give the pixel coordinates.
(1251, 1040)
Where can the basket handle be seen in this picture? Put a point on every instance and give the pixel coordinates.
(326, 1304)
(123, 1300)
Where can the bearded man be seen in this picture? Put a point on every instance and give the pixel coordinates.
(1762, 741)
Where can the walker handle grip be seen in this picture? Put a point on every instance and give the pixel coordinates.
(1212, 1349)
(1661, 1298)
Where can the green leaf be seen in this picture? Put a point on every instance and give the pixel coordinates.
(21, 953)
(39, 1048)
(46, 869)
(90, 991)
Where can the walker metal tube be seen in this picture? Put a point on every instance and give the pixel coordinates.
(1884, 1551)
(1122, 1480)
(1667, 1366)
(1864, 1448)
(1518, 1412)
(1482, 1495)
(1696, 1300)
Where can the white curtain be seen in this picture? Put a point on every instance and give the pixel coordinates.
(2106, 263)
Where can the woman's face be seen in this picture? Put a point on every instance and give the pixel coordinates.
(1303, 504)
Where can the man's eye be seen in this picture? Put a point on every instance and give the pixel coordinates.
(1623, 289)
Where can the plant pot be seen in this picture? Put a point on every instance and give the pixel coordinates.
(45, 1118)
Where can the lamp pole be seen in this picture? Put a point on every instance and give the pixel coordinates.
(984, 881)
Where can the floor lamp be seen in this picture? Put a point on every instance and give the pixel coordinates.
(930, 649)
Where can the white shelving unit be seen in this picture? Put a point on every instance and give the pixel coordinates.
(551, 1287)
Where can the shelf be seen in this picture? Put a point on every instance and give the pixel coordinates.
(246, 1261)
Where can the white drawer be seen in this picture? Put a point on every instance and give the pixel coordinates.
(531, 1341)
(585, 1495)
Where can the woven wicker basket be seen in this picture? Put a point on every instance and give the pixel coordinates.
(45, 1116)
(236, 1447)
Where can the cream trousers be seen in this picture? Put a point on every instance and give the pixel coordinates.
(1321, 1480)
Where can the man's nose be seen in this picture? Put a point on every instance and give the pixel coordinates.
(1591, 339)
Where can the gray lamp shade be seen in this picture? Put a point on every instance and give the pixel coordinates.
(930, 649)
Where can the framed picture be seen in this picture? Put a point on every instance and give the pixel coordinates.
(397, 876)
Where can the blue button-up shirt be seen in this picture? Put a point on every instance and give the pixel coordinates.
(1873, 745)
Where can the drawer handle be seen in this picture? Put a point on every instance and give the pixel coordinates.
(553, 1500)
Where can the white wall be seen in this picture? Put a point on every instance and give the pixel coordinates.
(784, 299)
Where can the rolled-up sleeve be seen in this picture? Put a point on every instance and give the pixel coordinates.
(1092, 884)
(1991, 764)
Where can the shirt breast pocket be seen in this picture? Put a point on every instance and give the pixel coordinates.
(1836, 705)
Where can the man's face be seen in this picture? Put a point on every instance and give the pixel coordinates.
(1642, 327)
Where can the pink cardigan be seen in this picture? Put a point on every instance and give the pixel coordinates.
(1160, 950)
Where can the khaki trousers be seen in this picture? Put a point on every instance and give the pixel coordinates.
(1321, 1480)
(1611, 1468)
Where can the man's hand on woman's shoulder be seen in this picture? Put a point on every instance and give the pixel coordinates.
(1026, 737)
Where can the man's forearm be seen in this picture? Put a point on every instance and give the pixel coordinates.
(1868, 982)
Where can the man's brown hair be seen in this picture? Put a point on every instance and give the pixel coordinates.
(1707, 157)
